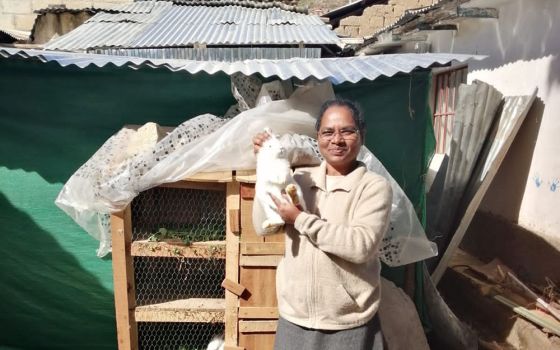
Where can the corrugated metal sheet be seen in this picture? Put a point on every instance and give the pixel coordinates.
(138, 12)
(134, 7)
(488, 162)
(288, 5)
(56, 9)
(111, 29)
(235, 25)
(16, 34)
(172, 25)
(337, 70)
(476, 110)
(227, 54)
(98, 35)
(513, 112)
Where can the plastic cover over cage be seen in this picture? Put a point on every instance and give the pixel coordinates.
(112, 177)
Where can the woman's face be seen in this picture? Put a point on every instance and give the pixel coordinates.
(339, 138)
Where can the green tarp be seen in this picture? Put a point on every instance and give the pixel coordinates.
(55, 293)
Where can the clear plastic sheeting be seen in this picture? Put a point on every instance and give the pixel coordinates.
(117, 172)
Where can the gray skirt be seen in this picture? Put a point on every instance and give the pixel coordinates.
(290, 336)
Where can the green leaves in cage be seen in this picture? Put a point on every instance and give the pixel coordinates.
(188, 235)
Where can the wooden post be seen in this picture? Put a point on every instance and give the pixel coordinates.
(123, 280)
(232, 263)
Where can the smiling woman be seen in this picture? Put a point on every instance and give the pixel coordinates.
(328, 281)
(340, 136)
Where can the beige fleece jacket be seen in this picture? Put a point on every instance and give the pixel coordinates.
(329, 276)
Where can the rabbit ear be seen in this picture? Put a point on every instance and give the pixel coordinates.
(268, 131)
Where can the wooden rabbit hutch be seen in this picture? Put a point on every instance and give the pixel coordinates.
(188, 266)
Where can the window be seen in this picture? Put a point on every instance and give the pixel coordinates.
(446, 83)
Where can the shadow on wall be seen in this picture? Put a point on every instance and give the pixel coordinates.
(505, 194)
(48, 300)
(554, 76)
(525, 30)
(491, 237)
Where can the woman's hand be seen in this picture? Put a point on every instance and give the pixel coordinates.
(287, 211)
(258, 141)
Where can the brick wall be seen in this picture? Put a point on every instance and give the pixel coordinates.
(378, 16)
(18, 14)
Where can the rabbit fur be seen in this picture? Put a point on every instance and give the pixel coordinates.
(274, 176)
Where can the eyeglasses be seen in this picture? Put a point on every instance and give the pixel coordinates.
(345, 133)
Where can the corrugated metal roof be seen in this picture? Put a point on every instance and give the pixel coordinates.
(133, 7)
(16, 34)
(148, 13)
(229, 54)
(168, 25)
(235, 25)
(337, 70)
(288, 5)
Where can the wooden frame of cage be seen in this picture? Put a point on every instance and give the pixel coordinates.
(249, 309)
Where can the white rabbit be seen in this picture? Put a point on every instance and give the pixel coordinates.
(217, 343)
(274, 175)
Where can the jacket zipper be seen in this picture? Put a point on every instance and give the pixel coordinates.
(314, 287)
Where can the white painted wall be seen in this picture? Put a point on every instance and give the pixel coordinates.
(523, 46)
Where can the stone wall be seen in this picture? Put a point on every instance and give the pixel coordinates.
(18, 14)
(378, 16)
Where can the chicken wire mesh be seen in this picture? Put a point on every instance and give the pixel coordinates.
(165, 279)
(176, 336)
(189, 214)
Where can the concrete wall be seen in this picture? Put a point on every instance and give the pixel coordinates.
(18, 14)
(523, 46)
(378, 16)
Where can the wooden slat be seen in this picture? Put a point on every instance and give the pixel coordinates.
(232, 266)
(495, 151)
(258, 248)
(257, 341)
(218, 176)
(247, 191)
(249, 234)
(177, 249)
(233, 287)
(261, 286)
(257, 326)
(235, 221)
(230, 347)
(123, 280)
(277, 237)
(193, 185)
(187, 310)
(246, 176)
(258, 312)
(260, 260)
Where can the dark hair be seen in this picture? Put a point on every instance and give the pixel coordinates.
(352, 107)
